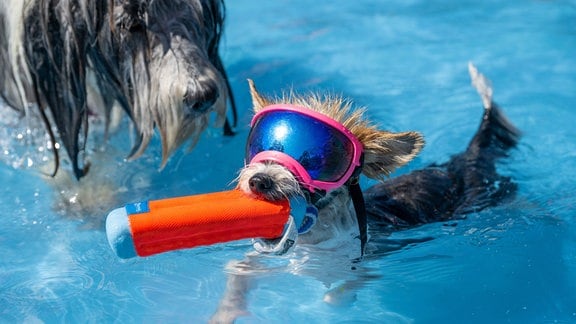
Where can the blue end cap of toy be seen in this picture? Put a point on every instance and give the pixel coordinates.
(119, 235)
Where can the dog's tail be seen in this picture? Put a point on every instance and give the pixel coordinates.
(482, 185)
(496, 133)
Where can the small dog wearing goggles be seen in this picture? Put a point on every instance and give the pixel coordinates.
(312, 150)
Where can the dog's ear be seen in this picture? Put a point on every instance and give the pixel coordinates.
(258, 101)
(385, 151)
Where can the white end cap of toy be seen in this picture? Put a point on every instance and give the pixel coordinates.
(119, 234)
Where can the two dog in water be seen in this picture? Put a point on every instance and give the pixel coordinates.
(158, 61)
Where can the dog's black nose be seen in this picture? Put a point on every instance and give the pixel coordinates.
(261, 183)
(198, 100)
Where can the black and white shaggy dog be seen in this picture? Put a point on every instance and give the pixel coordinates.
(467, 182)
(68, 61)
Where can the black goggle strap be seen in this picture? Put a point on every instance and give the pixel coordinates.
(359, 205)
(360, 209)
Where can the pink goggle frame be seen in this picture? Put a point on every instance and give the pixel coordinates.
(296, 167)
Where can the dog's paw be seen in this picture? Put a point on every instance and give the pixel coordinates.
(342, 295)
(225, 315)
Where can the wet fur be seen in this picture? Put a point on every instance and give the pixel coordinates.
(467, 182)
(64, 61)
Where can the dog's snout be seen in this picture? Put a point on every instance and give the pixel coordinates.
(200, 101)
(261, 183)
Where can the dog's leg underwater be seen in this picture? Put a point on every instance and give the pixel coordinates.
(233, 304)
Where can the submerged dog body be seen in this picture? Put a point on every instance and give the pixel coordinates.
(65, 61)
(467, 182)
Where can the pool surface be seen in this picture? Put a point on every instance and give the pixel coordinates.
(407, 62)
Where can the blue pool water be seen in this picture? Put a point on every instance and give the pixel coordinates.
(407, 62)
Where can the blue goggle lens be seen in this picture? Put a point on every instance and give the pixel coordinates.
(323, 151)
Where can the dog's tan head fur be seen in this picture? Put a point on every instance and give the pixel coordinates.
(383, 151)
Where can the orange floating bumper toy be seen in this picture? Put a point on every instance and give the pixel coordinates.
(156, 226)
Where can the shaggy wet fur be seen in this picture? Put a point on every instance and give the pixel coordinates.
(65, 61)
(468, 182)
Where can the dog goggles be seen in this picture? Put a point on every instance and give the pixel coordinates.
(318, 150)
